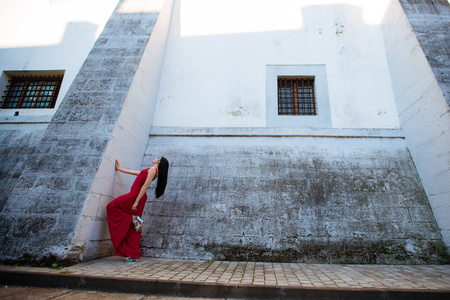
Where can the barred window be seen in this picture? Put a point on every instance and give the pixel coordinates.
(32, 92)
(296, 96)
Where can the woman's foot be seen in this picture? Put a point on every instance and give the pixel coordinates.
(137, 223)
(130, 259)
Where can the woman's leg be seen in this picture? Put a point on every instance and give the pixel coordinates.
(123, 233)
(131, 242)
(118, 221)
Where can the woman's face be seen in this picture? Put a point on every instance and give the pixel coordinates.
(157, 160)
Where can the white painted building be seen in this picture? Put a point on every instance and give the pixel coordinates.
(220, 53)
(220, 67)
(48, 35)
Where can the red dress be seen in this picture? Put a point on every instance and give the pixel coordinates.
(124, 237)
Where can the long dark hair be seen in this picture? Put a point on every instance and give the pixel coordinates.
(163, 169)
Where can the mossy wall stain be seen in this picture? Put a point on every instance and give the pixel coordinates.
(296, 201)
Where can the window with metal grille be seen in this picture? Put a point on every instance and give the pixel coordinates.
(296, 96)
(32, 92)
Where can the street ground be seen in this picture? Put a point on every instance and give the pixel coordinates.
(24, 293)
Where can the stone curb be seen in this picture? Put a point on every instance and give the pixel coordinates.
(209, 290)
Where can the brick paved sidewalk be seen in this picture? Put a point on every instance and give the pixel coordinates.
(259, 274)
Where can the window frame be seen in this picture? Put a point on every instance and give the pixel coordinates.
(322, 119)
(31, 92)
(46, 75)
(296, 96)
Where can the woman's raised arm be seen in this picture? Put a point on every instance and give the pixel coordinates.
(118, 168)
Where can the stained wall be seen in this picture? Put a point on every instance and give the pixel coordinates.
(309, 196)
(419, 65)
(243, 187)
(56, 209)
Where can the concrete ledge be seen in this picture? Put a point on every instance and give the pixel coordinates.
(277, 132)
(25, 119)
(211, 290)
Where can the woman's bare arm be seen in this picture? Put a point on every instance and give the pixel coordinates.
(131, 172)
(148, 180)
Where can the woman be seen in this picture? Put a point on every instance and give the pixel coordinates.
(125, 212)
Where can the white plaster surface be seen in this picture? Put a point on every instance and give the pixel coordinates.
(215, 64)
(318, 72)
(49, 35)
(423, 112)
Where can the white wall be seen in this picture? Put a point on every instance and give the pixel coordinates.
(49, 35)
(217, 53)
(423, 112)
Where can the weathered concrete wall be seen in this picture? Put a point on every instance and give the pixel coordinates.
(278, 194)
(129, 137)
(418, 87)
(48, 35)
(313, 196)
(430, 20)
(17, 142)
(40, 219)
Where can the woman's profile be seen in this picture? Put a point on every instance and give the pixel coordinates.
(125, 212)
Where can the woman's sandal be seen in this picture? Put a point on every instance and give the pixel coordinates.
(130, 259)
(138, 223)
(138, 226)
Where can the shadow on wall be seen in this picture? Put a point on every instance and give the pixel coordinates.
(68, 55)
(16, 144)
(69, 47)
(430, 22)
(338, 36)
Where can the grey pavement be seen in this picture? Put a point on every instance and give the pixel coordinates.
(24, 293)
(225, 279)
